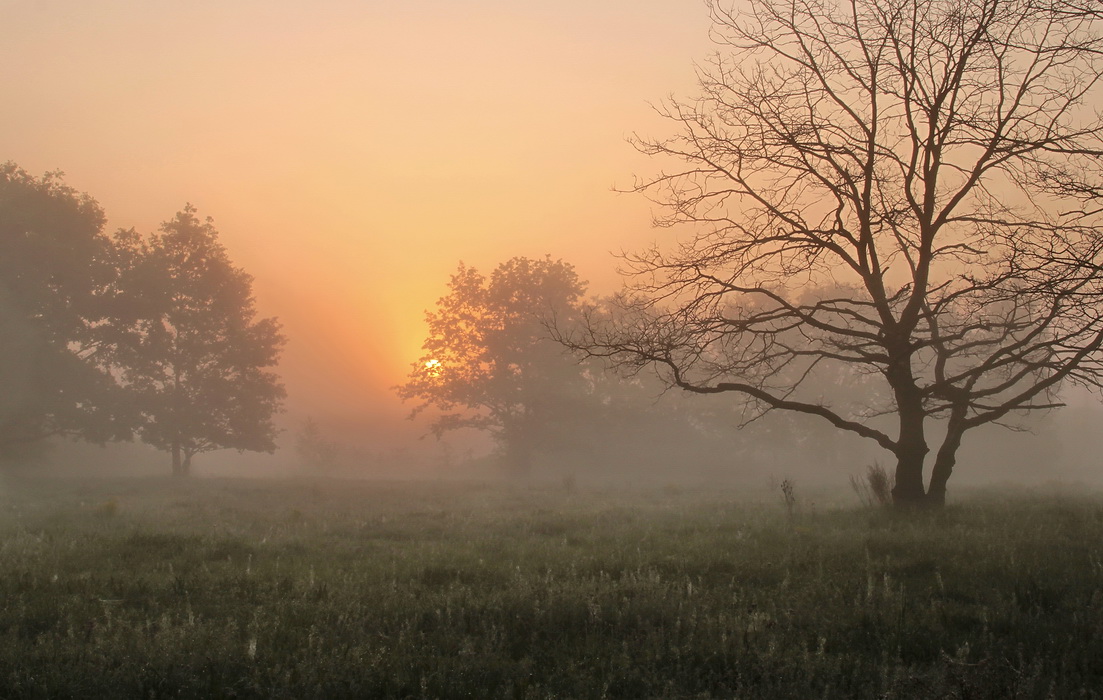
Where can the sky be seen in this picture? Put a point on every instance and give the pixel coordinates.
(353, 152)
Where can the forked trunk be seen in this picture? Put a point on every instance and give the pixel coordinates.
(181, 460)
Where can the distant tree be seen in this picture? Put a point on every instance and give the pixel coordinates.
(488, 363)
(314, 450)
(193, 354)
(928, 159)
(57, 269)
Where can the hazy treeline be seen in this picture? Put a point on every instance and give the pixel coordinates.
(490, 364)
(122, 336)
(112, 337)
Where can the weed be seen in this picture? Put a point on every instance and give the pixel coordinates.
(875, 488)
(789, 494)
(108, 508)
(394, 591)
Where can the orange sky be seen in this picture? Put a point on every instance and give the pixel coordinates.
(352, 152)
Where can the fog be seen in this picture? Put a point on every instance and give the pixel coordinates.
(350, 157)
(352, 153)
(551, 348)
(1059, 450)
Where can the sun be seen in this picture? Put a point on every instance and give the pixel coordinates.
(432, 367)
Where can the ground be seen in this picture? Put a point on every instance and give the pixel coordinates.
(323, 589)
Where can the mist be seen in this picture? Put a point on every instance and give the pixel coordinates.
(341, 250)
(633, 349)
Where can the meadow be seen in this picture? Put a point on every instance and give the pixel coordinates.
(200, 588)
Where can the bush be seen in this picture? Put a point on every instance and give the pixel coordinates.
(876, 488)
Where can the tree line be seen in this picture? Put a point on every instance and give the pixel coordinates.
(107, 337)
(886, 217)
(491, 362)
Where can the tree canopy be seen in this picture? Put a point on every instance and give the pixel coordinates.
(57, 268)
(103, 337)
(192, 353)
(933, 164)
(488, 361)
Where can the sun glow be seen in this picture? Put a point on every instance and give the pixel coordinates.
(432, 367)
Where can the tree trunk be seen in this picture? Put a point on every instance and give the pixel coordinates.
(185, 467)
(911, 445)
(909, 491)
(911, 452)
(177, 464)
(943, 466)
(179, 468)
(947, 457)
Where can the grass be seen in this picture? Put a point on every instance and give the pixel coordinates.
(210, 588)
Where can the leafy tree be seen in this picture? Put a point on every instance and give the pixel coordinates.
(193, 354)
(929, 160)
(315, 451)
(56, 273)
(488, 363)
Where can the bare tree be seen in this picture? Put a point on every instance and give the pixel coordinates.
(933, 164)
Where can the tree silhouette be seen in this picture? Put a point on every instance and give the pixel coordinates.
(193, 354)
(927, 159)
(57, 269)
(315, 451)
(488, 363)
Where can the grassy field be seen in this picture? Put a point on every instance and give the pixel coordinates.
(217, 588)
